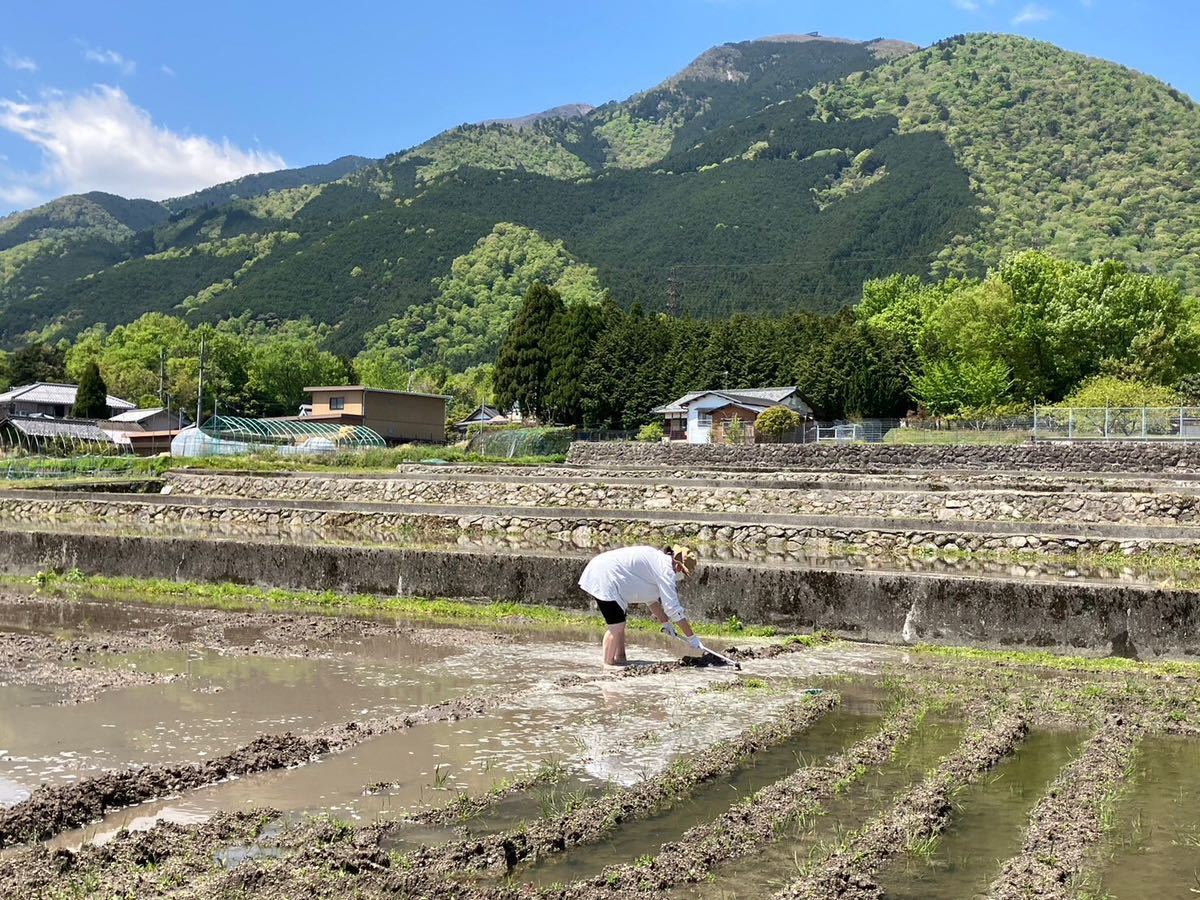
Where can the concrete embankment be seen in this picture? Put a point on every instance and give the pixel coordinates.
(874, 606)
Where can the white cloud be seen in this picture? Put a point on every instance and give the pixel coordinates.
(109, 58)
(100, 140)
(18, 63)
(1030, 13)
(967, 5)
(167, 70)
(18, 196)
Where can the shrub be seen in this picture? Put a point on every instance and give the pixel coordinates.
(651, 433)
(1108, 390)
(735, 431)
(778, 421)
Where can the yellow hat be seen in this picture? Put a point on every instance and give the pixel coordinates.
(686, 557)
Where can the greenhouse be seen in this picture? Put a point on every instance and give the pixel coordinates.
(236, 436)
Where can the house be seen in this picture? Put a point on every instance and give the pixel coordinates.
(50, 400)
(154, 418)
(396, 416)
(148, 443)
(704, 417)
(486, 415)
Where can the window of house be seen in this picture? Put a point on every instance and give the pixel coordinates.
(337, 402)
(704, 419)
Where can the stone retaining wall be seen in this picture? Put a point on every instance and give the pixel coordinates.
(1159, 508)
(1111, 456)
(875, 606)
(802, 478)
(551, 532)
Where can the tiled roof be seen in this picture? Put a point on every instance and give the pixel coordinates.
(756, 396)
(137, 415)
(54, 395)
(55, 428)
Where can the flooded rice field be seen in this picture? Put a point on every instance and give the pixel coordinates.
(148, 750)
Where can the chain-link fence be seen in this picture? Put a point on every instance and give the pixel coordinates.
(1057, 423)
(1149, 423)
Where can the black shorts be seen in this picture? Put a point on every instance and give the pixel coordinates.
(612, 612)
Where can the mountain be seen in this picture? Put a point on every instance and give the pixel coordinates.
(95, 214)
(767, 175)
(565, 111)
(250, 186)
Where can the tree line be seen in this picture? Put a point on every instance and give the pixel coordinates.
(1036, 329)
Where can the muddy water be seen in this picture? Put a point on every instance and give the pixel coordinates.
(1155, 848)
(221, 703)
(766, 872)
(223, 699)
(829, 736)
(614, 730)
(988, 826)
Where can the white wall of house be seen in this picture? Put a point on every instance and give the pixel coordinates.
(699, 428)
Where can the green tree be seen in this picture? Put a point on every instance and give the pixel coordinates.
(778, 421)
(280, 368)
(572, 338)
(37, 361)
(523, 366)
(91, 399)
(735, 431)
(946, 386)
(1107, 390)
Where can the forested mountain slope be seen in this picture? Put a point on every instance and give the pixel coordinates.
(770, 175)
(1066, 153)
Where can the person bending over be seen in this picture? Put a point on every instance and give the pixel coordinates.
(639, 574)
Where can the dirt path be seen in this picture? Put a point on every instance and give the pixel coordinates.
(1067, 823)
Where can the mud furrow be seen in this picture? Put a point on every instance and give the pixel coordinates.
(591, 820)
(51, 810)
(469, 806)
(919, 813)
(1067, 823)
(750, 823)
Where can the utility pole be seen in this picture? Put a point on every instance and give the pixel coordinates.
(162, 382)
(673, 295)
(200, 383)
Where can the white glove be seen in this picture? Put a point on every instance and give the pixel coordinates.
(694, 642)
(669, 630)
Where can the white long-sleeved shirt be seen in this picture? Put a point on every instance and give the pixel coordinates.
(633, 575)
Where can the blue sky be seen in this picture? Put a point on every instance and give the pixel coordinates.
(158, 99)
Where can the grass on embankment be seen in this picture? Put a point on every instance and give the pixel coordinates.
(75, 584)
(957, 437)
(373, 460)
(29, 472)
(1045, 660)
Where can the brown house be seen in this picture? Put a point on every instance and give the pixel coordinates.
(723, 417)
(397, 416)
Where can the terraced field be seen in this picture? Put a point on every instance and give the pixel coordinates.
(415, 760)
(978, 683)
